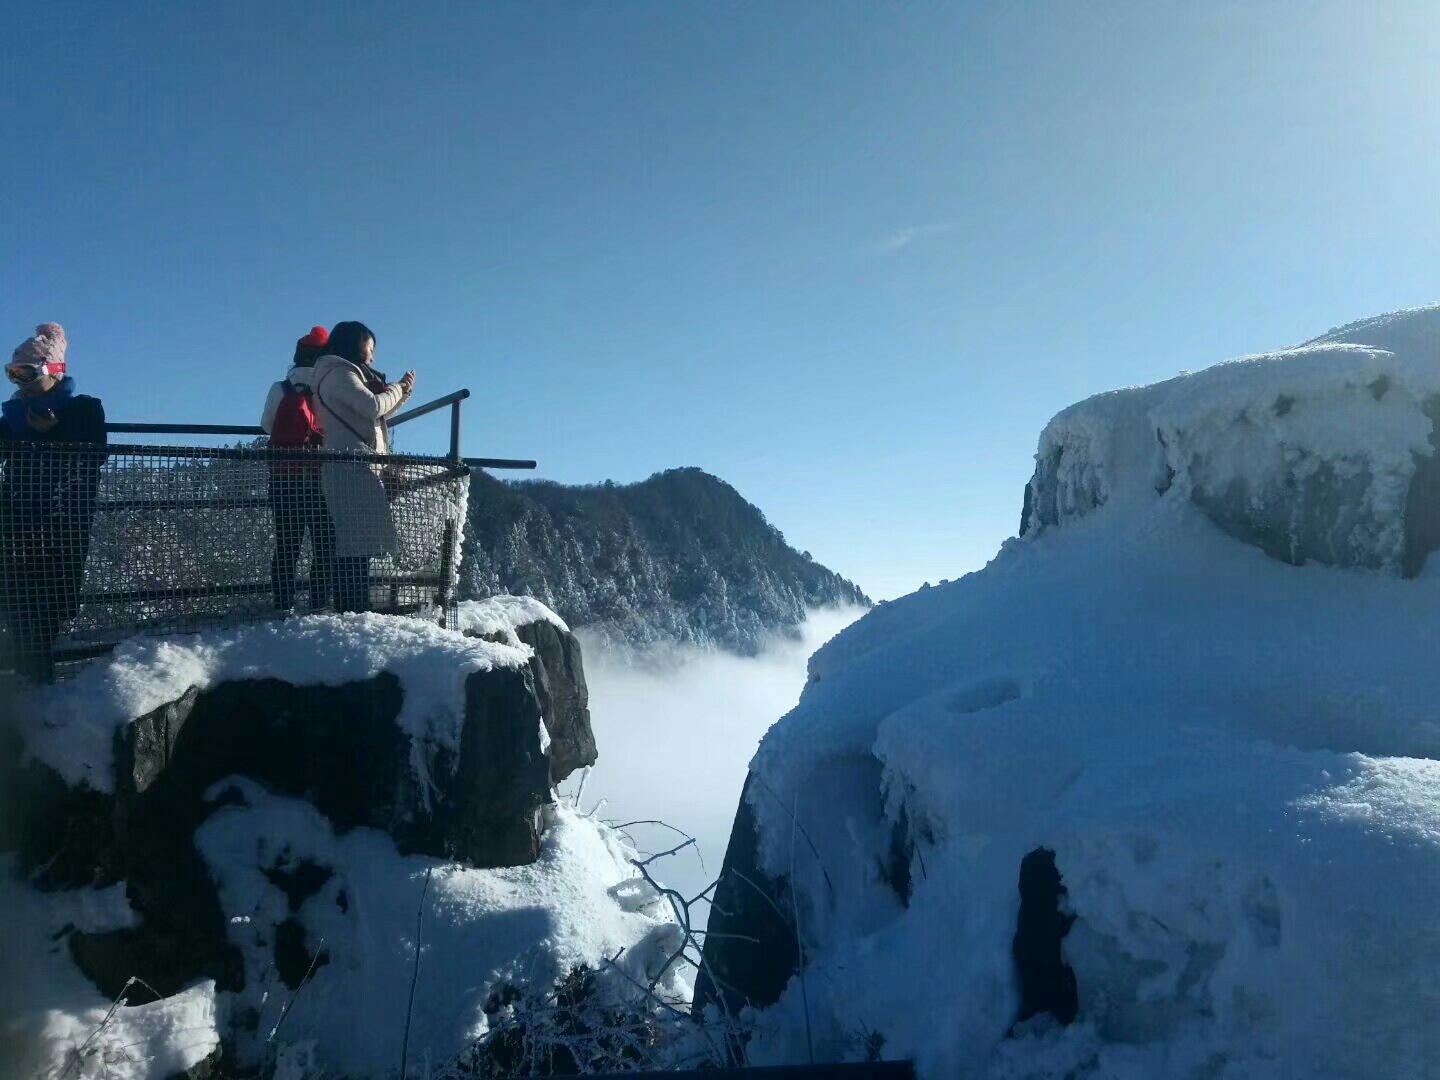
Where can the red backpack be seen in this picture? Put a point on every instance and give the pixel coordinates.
(295, 426)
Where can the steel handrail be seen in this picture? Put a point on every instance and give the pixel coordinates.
(429, 407)
(451, 401)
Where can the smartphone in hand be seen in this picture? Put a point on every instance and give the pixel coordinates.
(41, 419)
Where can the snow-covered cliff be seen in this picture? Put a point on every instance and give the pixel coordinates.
(1232, 762)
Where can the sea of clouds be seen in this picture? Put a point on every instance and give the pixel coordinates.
(676, 730)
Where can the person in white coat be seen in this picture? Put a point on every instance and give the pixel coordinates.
(353, 404)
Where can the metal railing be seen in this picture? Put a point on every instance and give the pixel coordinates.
(451, 401)
(98, 544)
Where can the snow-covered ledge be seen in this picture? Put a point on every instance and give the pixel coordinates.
(72, 727)
(1135, 799)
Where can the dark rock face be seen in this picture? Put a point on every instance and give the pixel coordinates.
(564, 698)
(559, 676)
(488, 810)
(64, 837)
(678, 558)
(1041, 507)
(1422, 502)
(752, 953)
(337, 747)
(738, 972)
(1047, 983)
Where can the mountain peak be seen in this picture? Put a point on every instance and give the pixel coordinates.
(678, 558)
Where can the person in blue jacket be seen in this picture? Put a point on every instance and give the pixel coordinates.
(52, 448)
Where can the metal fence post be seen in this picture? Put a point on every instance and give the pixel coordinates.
(446, 595)
(448, 573)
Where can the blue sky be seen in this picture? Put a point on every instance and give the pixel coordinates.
(848, 256)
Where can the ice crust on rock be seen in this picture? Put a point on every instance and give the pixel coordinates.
(1310, 453)
(1235, 761)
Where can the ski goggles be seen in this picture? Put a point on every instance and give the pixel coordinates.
(22, 374)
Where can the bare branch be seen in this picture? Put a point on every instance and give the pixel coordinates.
(415, 972)
(660, 855)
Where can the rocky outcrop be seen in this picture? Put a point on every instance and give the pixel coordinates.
(558, 670)
(1139, 795)
(751, 951)
(338, 747)
(1326, 453)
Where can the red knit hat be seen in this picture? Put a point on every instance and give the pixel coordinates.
(316, 338)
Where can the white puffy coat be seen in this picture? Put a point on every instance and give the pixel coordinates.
(354, 420)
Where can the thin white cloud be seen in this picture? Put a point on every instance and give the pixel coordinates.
(900, 239)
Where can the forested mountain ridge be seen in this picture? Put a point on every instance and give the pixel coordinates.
(678, 558)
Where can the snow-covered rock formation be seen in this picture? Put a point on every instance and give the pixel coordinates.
(1157, 791)
(1323, 453)
(238, 831)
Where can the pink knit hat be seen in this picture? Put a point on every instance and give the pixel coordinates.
(46, 350)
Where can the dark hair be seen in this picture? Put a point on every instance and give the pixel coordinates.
(306, 355)
(347, 339)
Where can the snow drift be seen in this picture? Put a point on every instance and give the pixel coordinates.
(1234, 762)
(488, 934)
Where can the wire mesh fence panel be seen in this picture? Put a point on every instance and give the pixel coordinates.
(98, 544)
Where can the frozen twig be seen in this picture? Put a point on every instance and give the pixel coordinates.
(681, 908)
(795, 821)
(799, 931)
(415, 971)
(704, 894)
(621, 827)
(660, 855)
(622, 1022)
(78, 1055)
(314, 960)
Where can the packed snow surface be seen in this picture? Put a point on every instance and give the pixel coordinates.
(1235, 761)
(73, 724)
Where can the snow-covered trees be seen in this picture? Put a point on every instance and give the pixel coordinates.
(680, 557)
